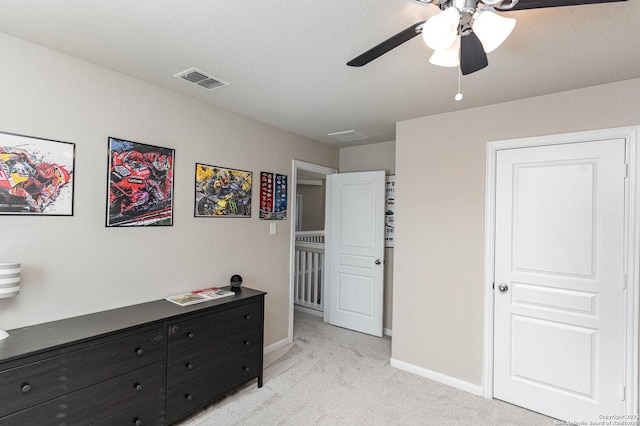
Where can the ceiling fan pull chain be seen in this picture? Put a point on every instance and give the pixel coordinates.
(459, 96)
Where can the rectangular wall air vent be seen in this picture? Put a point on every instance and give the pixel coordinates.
(202, 79)
(348, 136)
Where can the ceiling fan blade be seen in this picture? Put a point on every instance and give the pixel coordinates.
(472, 55)
(538, 4)
(387, 45)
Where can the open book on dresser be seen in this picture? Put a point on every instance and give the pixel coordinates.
(199, 296)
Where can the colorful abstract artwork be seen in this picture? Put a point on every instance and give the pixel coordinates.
(273, 196)
(222, 192)
(36, 176)
(140, 184)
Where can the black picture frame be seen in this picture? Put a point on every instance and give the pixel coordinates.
(36, 176)
(222, 192)
(140, 184)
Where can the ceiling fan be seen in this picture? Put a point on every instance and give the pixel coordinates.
(464, 31)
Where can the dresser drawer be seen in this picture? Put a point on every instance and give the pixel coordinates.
(149, 412)
(186, 366)
(89, 405)
(189, 396)
(41, 381)
(189, 334)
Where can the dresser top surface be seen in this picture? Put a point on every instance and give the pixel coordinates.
(36, 338)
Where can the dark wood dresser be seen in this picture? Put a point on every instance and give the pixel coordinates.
(147, 364)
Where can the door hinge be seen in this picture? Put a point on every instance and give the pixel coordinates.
(623, 393)
(624, 282)
(626, 170)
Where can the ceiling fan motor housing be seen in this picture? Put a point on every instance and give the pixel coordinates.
(464, 6)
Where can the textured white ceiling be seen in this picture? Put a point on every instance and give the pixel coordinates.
(286, 59)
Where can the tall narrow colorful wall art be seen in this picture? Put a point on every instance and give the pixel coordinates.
(273, 196)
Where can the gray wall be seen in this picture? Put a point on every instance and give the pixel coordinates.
(74, 265)
(313, 201)
(440, 202)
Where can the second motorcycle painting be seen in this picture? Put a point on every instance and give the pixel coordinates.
(140, 184)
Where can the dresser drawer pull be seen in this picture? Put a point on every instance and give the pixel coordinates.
(137, 422)
(190, 335)
(247, 343)
(189, 366)
(246, 369)
(139, 351)
(247, 317)
(137, 387)
(25, 387)
(188, 396)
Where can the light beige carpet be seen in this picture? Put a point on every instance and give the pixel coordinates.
(333, 376)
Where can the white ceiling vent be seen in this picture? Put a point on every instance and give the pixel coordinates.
(348, 136)
(201, 78)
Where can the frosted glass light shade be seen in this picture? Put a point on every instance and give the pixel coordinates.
(492, 29)
(9, 284)
(9, 279)
(440, 31)
(447, 57)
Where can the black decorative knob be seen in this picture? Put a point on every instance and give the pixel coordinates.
(26, 387)
(189, 366)
(190, 335)
(137, 387)
(247, 317)
(139, 351)
(247, 343)
(137, 421)
(188, 396)
(246, 369)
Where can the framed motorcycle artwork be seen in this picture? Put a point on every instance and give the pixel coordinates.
(140, 180)
(222, 192)
(36, 176)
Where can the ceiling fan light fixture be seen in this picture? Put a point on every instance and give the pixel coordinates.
(491, 28)
(440, 31)
(447, 57)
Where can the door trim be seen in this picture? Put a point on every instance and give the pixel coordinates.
(631, 249)
(313, 168)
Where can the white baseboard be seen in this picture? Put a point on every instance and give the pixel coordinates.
(277, 345)
(387, 332)
(438, 377)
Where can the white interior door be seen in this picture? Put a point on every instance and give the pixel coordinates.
(355, 250)
(559, 279)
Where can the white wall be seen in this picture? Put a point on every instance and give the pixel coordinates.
(440, 172)
(74, 265)
(363, 158)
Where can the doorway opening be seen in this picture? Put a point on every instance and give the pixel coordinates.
(307, 251)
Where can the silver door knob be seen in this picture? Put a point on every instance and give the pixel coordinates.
(503, 288)
(378, 261)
